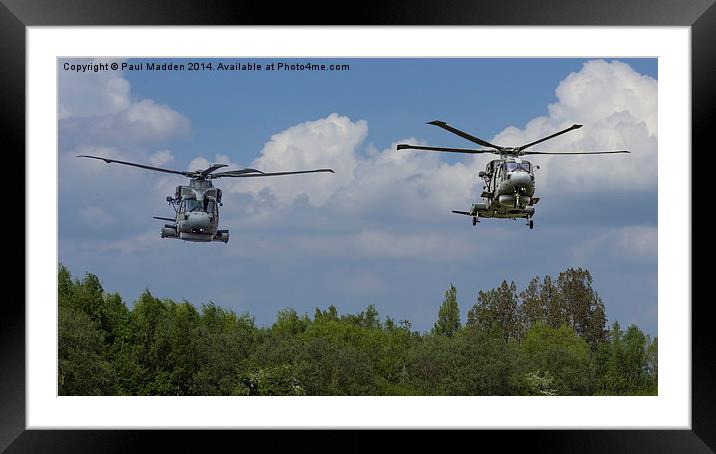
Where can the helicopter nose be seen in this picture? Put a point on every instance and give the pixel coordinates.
(198, 220)
(520, 179)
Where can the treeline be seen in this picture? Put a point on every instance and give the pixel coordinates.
(548, 339)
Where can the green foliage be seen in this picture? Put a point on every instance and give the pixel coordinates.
(626, 365)
(496, 312)
(534, 308)
(448, 322)
(561, 353)
(548, 339)
(274, 381)
(584, 309)
(652, 366)
(288, 322)
(82, 368)
(540, 384)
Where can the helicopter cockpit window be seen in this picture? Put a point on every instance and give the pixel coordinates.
(210, 206)
(192, 205)
(512, 166)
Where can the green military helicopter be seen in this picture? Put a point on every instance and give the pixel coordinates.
(197, 205)
(509, 187)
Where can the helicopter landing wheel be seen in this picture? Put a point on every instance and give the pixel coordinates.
(531, 224)
(474, 220)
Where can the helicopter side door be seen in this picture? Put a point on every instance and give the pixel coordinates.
(213, 209)
(497, 176)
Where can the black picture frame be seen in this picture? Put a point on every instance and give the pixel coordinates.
(16, 15)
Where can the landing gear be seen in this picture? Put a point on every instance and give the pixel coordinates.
(475, 219)
(531, 224)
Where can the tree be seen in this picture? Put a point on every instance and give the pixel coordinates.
(541, 303)
(332, 362)
(273, 381)
(487, 365)
(652, 366)
(540, 385)
(584, 309)
(89, 297)
(609, 359)
(368, 319)
(224, 342)
(533, 309)
(625, 364)
(65, 286)
(82, 370)
(550, 300)
(635, 359)
(429, 362)
(561, 353)
(496, 311)
(448, 322)
(288, 321)
(391, 364)
(548, 339)
(472, 362)
(330, 314)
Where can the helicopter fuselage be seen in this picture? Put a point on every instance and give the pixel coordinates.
(197, 213)
(509, 190)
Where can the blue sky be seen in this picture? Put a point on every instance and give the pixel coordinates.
(379, 231)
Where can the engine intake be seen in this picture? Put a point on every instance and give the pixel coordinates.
(169, 231)
(222, 235)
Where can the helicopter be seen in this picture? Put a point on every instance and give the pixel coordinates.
(197, 205)
(509, 187)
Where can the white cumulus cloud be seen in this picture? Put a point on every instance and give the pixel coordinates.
(97, 108)
(87, 94)
(329, 142)
(161, 158)
(618, 108)
(198, 163)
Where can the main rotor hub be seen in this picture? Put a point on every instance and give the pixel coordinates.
(200, 182)
(511, 151)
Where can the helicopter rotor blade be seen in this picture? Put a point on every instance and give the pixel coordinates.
(405, 146)
(235, 173)
(211, 169)
(272, 174)
(158, 169)
(463, 134)
(576, 152)
(575, 126)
